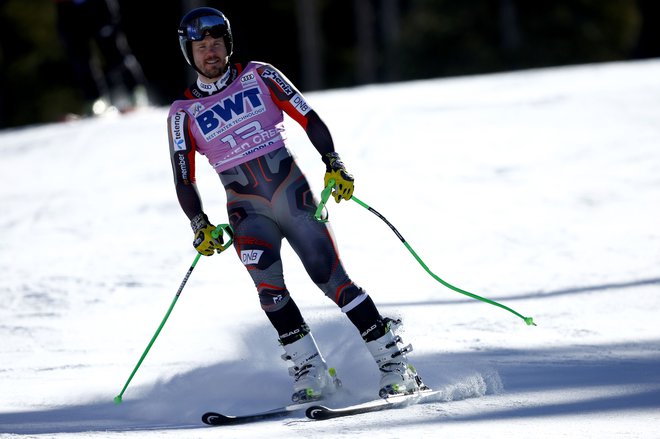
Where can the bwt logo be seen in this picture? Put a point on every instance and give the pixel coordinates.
(227, 109)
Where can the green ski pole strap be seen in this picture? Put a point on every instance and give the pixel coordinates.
(219, 231)
(528, 320)
(325, 194)
(324, 198)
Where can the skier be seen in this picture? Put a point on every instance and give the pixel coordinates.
(103, 63)
(233, 115)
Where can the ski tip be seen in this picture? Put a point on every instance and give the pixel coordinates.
(213, 418)
(316, 411)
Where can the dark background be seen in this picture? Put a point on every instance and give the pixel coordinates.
(322, 44)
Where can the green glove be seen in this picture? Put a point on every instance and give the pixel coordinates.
(204, 241)
(335, 170)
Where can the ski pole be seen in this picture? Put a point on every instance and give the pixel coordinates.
(220, 229)
(324, 198)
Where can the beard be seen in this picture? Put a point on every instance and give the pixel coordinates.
(213, 71)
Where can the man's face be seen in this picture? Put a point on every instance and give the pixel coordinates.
(210, 56)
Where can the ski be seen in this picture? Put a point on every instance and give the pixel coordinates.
(214, 418)
(321, 412)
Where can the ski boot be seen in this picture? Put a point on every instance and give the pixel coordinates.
(312, 378)
(398, 376)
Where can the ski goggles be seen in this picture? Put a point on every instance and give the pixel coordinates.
(200, 27)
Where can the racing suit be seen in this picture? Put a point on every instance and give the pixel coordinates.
(237, 124)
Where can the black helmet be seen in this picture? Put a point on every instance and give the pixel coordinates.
(197, 24)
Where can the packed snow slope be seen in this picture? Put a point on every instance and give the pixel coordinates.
(538, 189)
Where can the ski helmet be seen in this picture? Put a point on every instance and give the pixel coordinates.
(199, 23)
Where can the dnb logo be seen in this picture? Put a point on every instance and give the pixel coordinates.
(225, 110)
(251, 257)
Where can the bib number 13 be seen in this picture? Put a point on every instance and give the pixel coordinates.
(243, 133)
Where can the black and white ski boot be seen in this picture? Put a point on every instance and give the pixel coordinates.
(398, 376)
(313, 380)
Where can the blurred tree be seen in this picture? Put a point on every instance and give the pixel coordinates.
(648, 40)
(35, 84)
(155, 44)
(509, 27)
(330, 43)
(442, 37)
(577, 31)
(365, 30)
(101, 59)
(310, 40)
(390, 24)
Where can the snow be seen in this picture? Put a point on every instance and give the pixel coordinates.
(538, 189)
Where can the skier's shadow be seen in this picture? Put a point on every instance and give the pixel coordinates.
(536, 294)
(255, 381)
(259, 380)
